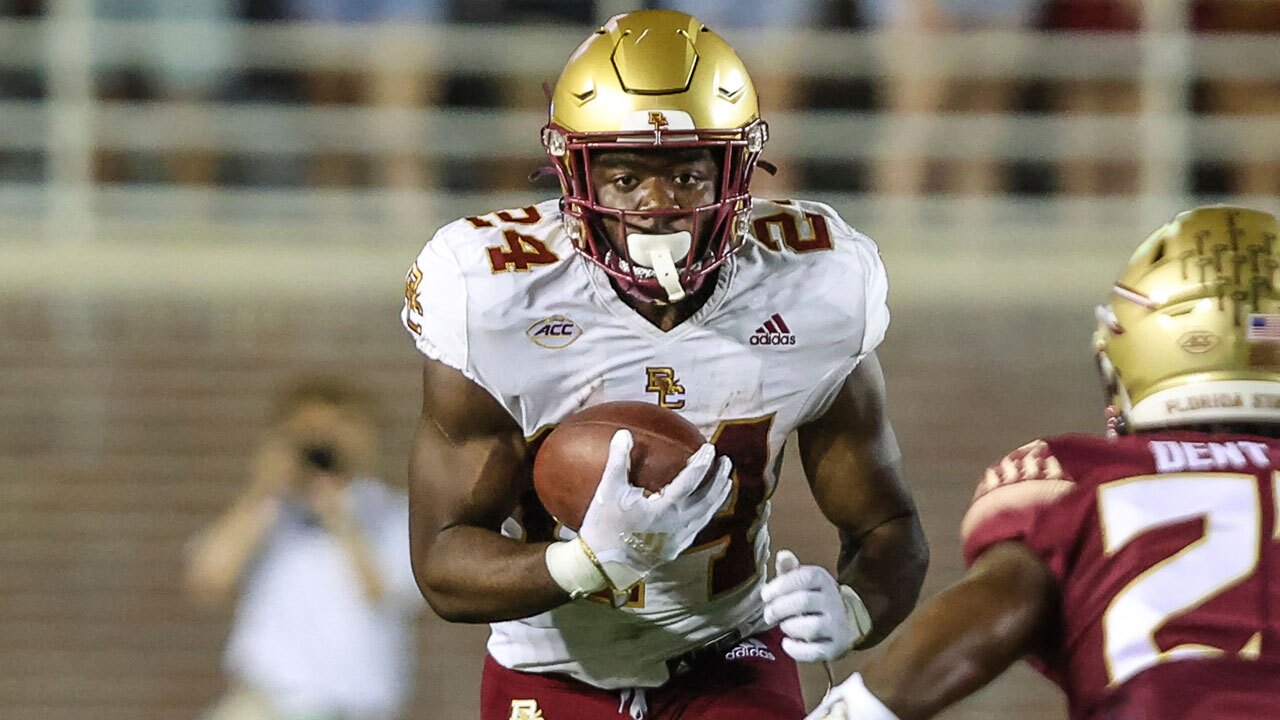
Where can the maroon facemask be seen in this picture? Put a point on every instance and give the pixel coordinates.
(716, 229)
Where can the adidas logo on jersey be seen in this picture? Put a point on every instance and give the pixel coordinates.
(774, 331)
(750, 648)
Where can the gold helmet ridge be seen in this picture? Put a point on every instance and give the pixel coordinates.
(653, 61)
(655, 80)
(1192, 333)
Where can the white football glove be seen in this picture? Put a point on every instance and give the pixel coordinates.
(822, 620)
(851, 700)
(628, 534)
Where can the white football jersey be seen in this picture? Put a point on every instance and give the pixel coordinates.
(506, 300)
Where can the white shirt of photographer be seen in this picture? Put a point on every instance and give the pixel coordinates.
(303, 633)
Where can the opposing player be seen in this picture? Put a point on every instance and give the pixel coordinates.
(1140, 570)
(656, 277)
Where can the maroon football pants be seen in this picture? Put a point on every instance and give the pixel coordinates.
(754, 680)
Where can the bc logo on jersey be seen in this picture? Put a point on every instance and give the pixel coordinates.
(411, 282)
(663, 381)
(525, 710)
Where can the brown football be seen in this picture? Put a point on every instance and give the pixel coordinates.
(571, 460)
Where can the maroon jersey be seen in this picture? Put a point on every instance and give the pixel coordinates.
(1167, 552)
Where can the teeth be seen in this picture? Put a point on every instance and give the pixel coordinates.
(640, 271)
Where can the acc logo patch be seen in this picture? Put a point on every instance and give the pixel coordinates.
(554, 332)
(1199, 341)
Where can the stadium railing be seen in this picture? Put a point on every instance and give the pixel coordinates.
(65, 128)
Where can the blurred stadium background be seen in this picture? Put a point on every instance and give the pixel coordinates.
(197, 207)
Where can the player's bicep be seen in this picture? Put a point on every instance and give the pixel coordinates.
(469, 464)
(1022, 594)
(851, 456)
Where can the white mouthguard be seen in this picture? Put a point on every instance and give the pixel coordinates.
(658, 252)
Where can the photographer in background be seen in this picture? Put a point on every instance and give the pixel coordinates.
(315, 553)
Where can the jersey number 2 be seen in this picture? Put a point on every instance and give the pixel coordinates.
(783, 228)
(1230, 507)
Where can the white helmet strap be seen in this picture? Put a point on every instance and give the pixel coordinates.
(659, 253)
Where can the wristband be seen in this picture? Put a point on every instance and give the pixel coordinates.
(856, 701)
(857, 612)
(571, 566)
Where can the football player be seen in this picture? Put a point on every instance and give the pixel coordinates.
(1139, 570)
(656, 277)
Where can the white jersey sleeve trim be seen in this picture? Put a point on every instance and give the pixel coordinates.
(435, 307)
(859, 256)
(875, 282)
(877, 293)
(824, 393)
(855, 248)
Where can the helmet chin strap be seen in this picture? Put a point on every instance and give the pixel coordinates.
(658, 253)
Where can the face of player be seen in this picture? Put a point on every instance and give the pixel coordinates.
(645, 180)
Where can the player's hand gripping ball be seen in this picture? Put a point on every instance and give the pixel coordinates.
(572, 459)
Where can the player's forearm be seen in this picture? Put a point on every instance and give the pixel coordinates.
(474, 575)
(965, 637)
(886, 567)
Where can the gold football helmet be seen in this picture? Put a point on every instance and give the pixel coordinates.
(1192, 333)
(655, 79)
